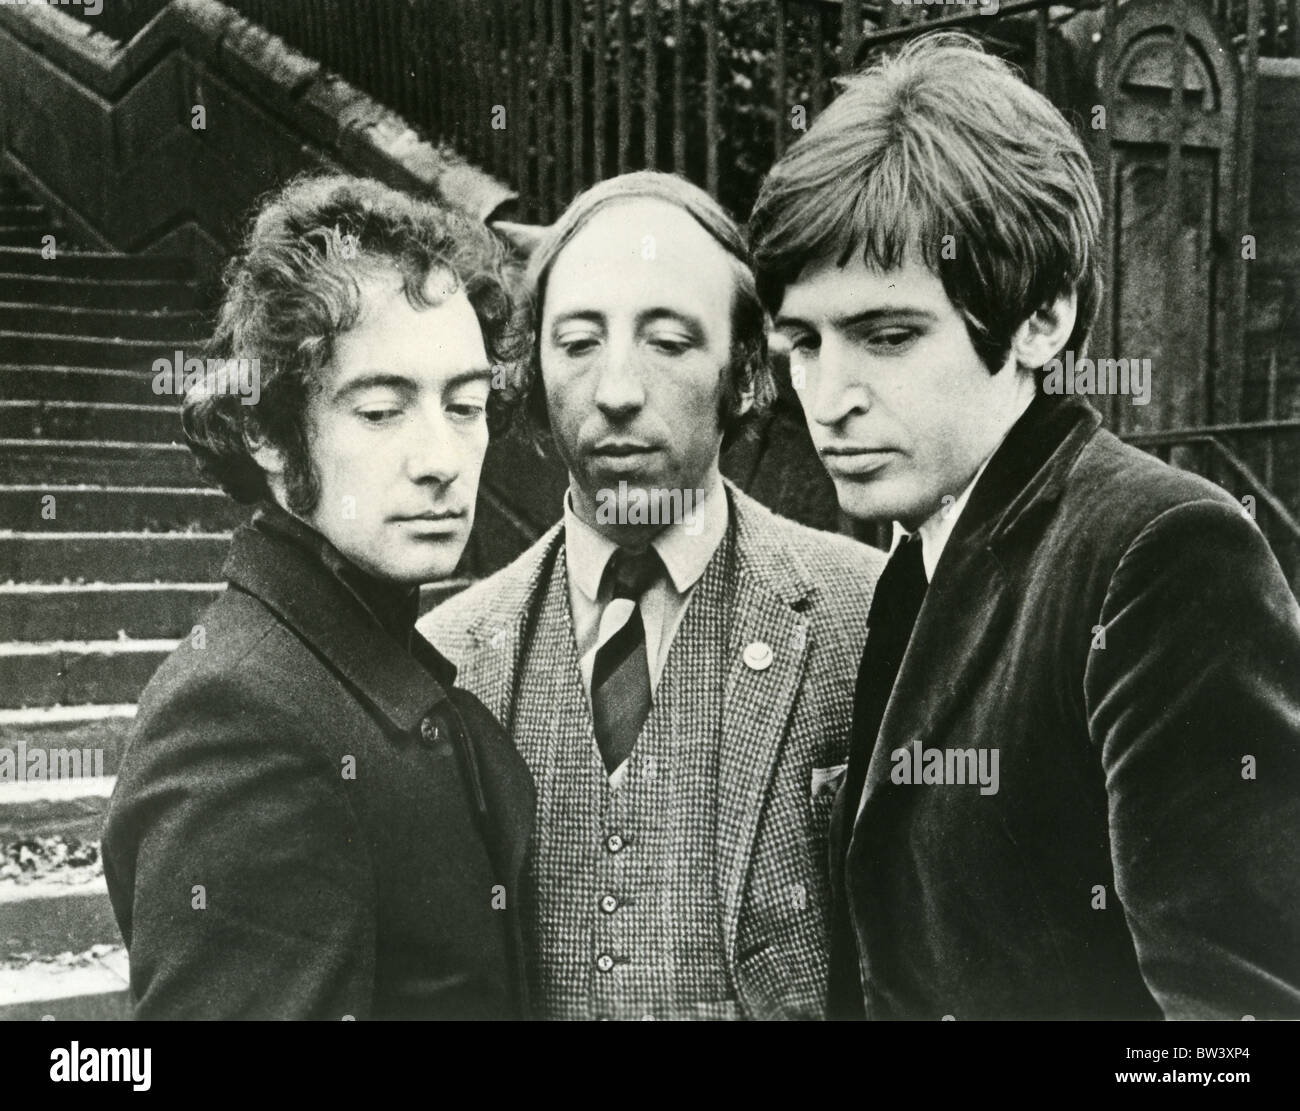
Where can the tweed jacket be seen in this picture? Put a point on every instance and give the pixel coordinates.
(1118, 633)
(784, 728)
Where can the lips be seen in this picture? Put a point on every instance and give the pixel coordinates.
(853, 460)
(433, 516)
(619, 449)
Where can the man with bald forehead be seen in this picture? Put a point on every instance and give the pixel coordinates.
(674, 661)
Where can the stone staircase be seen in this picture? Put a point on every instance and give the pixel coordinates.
(109, 548)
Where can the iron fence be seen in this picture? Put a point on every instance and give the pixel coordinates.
(553, 95)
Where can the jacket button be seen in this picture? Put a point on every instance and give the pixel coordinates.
(608, 903)
(429, 731)
(604, 962)
(614, 843)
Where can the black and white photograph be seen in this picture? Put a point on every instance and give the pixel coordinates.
(718, 510)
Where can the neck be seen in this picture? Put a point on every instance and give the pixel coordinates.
(1021, 396)
(632, 514)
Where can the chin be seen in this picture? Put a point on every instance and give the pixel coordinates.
(421, 563)
(873, 501)
(862, 502)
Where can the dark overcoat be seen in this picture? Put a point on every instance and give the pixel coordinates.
(307, 823)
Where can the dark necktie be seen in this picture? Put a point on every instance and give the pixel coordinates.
(620, 675)
(894, 606)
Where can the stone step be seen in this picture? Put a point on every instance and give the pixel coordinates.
(56, 289)
(75, 461)
(95, 988)
(92, 264)
(74, 420)
(102, 611)
(112, 557)
(76, 672)
(45, 917)
(72, 805)
(22, 235)
(60, 806)
(13, 192)
(53, 349)
(74, 383)
(26, 231)
(120, 509)
(14, 211)
(71, 320)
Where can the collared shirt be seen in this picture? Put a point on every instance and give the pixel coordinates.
(685, 547)
(395, 606)
(937, 528)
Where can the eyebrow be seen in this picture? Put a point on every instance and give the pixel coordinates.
(849, 321)
(381, 380)
(644, 317)
(374, 381)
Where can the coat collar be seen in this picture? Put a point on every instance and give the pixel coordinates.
(1027, 472)
(970, 599)
(294, 584)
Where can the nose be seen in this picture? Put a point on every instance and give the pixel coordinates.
(434, 453)
(835, 392)
(620, 390)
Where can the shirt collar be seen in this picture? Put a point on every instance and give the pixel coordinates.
(936, 529)
(685, 547)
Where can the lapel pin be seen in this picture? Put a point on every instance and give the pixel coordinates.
(758, 656)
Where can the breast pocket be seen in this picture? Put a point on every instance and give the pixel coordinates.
(823, 785)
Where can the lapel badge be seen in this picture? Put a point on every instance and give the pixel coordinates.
(758, 656)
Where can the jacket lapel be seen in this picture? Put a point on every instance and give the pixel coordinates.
(499, 632)
(758, 696)
(975, 586)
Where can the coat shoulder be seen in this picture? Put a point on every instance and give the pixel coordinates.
(502, 593)
(841, 570)
(247, 672)
(1120, 489)
(226, 648)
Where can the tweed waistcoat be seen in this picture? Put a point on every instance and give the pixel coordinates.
(627, 919)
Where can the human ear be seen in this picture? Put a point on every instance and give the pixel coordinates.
(1045, 332)
(270, 459)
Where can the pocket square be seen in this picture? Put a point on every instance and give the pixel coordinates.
(826, 781)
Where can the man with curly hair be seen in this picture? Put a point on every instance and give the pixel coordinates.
(312, 820)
